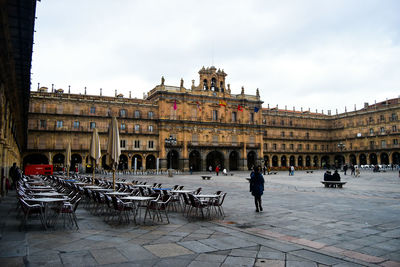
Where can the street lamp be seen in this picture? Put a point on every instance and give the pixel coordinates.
(341, 146)
(171, 141)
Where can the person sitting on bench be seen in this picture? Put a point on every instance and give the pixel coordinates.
(328, 176)
(336, 176)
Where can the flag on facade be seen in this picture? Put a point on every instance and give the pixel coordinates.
(222, 103)
(256, 109)
(175, 107)
(240, 108)
(198, 105)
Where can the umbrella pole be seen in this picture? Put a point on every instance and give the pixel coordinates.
(114, 179)
(67, 171)
(94, 167)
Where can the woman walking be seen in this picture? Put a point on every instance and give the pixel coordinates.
(257, 187)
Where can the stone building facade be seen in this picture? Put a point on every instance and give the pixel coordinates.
(211, 127)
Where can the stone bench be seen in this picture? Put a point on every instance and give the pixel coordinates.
(208, 177)
(335, 184)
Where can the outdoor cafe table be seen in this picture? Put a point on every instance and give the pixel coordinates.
(36, 183)
(92, 187)
(142, 185)
(48, 194)
(45, 201)
(181, 191)
(162, 189)
(81, 184)
(137, 199)
(207, 196)
(40, 189)
(102, 189)
(118, 193)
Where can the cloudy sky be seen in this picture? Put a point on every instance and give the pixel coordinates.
(310, 54)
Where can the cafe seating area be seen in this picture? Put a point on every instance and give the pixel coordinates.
(53, 200)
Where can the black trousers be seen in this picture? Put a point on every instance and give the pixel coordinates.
(257, 202)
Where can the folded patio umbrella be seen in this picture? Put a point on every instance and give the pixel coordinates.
(68, 157)
(113, 146)
(95, 150)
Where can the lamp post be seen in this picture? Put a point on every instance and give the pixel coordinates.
(341, 146)
(170, 141)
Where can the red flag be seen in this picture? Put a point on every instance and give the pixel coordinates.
(175, 107)
(240, 108)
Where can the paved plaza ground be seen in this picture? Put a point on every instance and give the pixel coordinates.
(303, 224)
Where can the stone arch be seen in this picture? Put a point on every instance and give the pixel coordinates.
(58, 162)
(283, 161)
(315, 160)
(76, 160)
(251, 160)
(353, 159)
(215, 158)
(233, 161)
(274, 161)
(123, 162)
(384, 158)
(325, 162)
(151, 162)
(139, 163)
(266, 161)
(292, 161)
(300, 161)
(339, 161)
(195, 160)
(373, 159)
(363, 159)
(308, 161)
(396, 158)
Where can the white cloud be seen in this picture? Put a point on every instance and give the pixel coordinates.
(317, 54)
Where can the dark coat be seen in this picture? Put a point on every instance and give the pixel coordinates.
(256, 184)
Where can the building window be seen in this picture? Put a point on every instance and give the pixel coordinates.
(383, 143)
(195, 138)
(395, 141)
(150, 128)
(122, 113)
(308, 147)
(291, 146)
(234, 116)
(370, 119)
(264, 121)
(393, 117)
(371, 131)
(252, 139)
(215, 139)
(123, 126)
(265, 146)
(76, 124)
(137, 143)
(290, 123)
(291, 134)
(322, 147)
(299, 146)
(215, 115)
(382, 118)
(307, 135)
(92, 125)
(283, 134)
(382, 130)
(274, 146)
(122, 143)
(315, 147)
(282, 122)
(59, 124)
(273, 122)
(351, 145)
(371, 144)
(394, 128)
(151, 144)
(137, 114)
(283, 147)
(42, 124)
(92, 110)
(251, 117)
(150, 114)
(137, 127)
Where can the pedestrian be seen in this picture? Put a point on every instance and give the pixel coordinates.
(264, 169)
(210, 168)
(353, 170)
(257, 187)
(217, 170)
(191, 169)
(225, 172)
(358, 172)
(13, 175)
(345, 169)
(292, 170)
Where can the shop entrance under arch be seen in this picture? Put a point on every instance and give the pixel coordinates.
(173, 159)
(251, 160)
(123, 162)
(139, 164)
(58, 162)
(215, 158)
(325, 162)
(384, 158)
(373, 159)
(283, 161)
(353, 159)
(396, 158)
(151, 162)
(233, 161)
(363, 159)
(274, 161)
(195, 160)
(76, 161)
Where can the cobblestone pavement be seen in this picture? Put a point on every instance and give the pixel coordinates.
(303, 224)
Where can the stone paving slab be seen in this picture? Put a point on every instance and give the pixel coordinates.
(303, 224)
